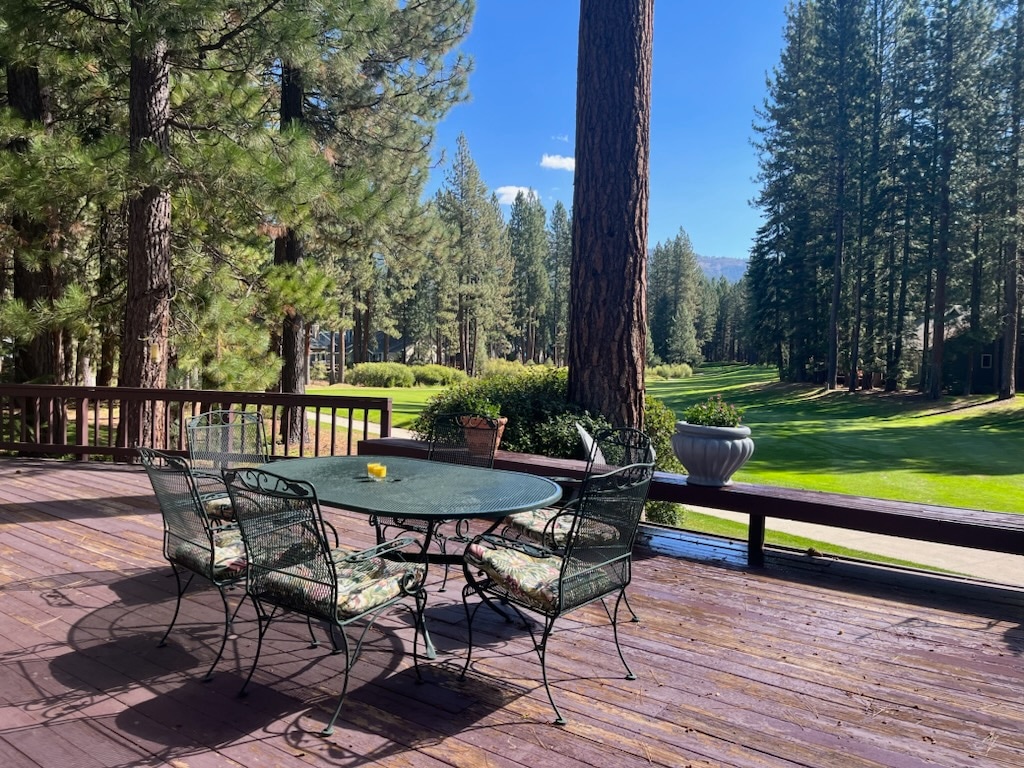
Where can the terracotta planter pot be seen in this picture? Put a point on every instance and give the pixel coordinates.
(711, 454)
(478, 434)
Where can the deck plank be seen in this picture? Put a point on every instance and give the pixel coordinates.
(808, 663)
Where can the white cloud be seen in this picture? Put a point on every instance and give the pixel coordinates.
(561, 137)
(507, 194)
(558, 162)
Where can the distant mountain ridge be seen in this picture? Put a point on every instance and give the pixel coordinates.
(718, 266)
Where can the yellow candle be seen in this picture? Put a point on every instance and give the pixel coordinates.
(382, 471)
(371, 470)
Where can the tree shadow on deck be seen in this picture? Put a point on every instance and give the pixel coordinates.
(154, 697)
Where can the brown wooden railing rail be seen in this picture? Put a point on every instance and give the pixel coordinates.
(974, 528)
(83, 422)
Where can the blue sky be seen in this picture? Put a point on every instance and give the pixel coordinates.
(710, 62)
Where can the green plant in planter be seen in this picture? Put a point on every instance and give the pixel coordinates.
(713, 412)
(711, 443)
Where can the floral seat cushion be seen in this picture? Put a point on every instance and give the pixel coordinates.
(218, 507)
(362, 584)
(532, 578)
(537, 525)
(228, 559)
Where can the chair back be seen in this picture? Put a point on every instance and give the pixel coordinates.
(598, 547)
(460, 438)
(188, 533)
(611, 448)
(222, 439)
(289, 551)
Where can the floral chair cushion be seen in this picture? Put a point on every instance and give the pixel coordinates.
(218, 507)
(362, 585)
(228, 561)
(532, 578)
(534, 525)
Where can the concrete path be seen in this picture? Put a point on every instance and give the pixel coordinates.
(977, 563)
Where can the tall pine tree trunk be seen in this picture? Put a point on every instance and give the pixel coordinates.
(288, 250)
(947, 149)
(36, 279)
(147, 309)
(608, 300)
(1012, 277)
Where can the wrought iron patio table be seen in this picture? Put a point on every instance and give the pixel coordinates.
(417, 489)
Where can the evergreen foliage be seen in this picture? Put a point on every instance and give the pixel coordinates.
(888, 188)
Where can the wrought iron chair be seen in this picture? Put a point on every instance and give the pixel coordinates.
(454, 439)
(608, 449)
(293, 566)
(223, 439)
(192, 542)
(593, 563)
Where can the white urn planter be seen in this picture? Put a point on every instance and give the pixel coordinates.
(711, 454)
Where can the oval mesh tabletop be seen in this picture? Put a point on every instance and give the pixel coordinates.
(419, 489)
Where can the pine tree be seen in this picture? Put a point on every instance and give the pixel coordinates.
(480, 265)
(559, 264)
(608, 312)
(529, 248)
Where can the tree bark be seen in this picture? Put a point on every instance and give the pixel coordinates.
(288, 250)
(608, 285)
(147, 308)
(1012, 262)
(34, 280)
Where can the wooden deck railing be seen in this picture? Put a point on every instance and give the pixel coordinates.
(85, 422)
(956, 526)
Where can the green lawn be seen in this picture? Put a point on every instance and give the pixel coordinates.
(406, 403)
(963, 452)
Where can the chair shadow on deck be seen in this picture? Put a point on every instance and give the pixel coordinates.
(155, 697)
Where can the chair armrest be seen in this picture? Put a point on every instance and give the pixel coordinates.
(521, 545)
(379, 550)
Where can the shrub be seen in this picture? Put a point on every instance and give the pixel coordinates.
(672, 371)
(381, 375)
(660, 425)
(318, 371)
(500, 367)
(713, 412)
(434, 375)
(541, 420)
(529, 397)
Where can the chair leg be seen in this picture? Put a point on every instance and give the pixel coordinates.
(542, 652)
(349, 661)
(615, 633)
(228, 617)
(632, 613)
(177, 606)
(420, 624)
(470, 615)
(264, 622)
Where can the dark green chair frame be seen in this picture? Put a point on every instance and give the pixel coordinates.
(191, 538)
(295, 566)
(594, 563)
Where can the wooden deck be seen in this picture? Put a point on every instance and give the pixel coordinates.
(807, 663)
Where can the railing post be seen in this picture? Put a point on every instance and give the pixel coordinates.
(755, 541)
(82, 426)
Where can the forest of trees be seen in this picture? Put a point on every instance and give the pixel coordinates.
(890, 185)
(189, 190)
